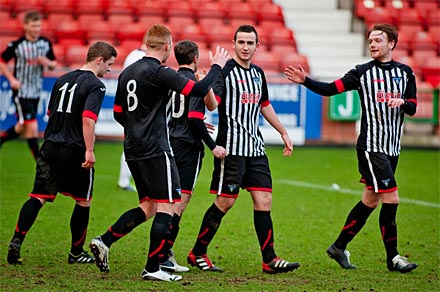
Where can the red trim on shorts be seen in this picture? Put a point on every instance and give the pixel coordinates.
(214, 192)
(90, 114)
(218, 98)
(188, 87)
(196, 115)
(75, 198)
(43, 196)
(259, 189)
(26, 122)
(362, 180)
(339, 85)
(48, 112)
(117, 108)
(186, 192)
(265, 103)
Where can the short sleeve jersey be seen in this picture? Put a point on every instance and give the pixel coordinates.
(243, 92)
(183, 108)
(143, 101)
(75, 95)
(376, 82)
(27, 69)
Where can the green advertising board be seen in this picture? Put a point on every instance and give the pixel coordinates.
(345, 106)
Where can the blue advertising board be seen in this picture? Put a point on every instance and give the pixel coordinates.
(299, 109)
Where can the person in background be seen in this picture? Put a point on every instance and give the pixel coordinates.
(32, 53)
(243, 96)
(387, 90)
(124, 181)
(187, 134)
(65, 163)
(141, 107)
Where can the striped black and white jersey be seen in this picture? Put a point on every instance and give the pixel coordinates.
(243, 92)
(27, 69)
(377, 82)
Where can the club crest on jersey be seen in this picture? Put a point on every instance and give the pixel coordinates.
(257, 80)
(397, 80)
(386, 182)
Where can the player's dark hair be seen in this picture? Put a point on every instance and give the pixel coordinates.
(389, 30)
(185, 51)
(31, 16)
(246, 28)
(101, 49)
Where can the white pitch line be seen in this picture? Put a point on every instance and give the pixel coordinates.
(349, 191)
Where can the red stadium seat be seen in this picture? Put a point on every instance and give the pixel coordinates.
(422, 40)
(25, 5)
(149, 7)
(242, 11)
(268, 61)
(179, 9)
(378, 15)
(208, 10)
(193, 32)
(176, 23)
(284, 49)
(148, 20)
(221, 33)
(433, 18)
(60, 54)
(362, 7)
(120, 7)
(410, 16)
(268, 11)
(97, 30)
(118, 20)
(134, 31)
(282, 36)
(59, 6)
(12, 27)
(76, 55)
(431, 71)
(92, 7)
(294, 60)
(204, 63)
(422, 56)
(69, 29)
(207, 23)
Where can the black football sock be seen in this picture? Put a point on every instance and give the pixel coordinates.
(78, 228)
(10, 134)
(28, 213)
(388, 228)
(264, 228)
(124, 225)
(208, 229)
(174, 231)
(159, 235)
(355, 221)
(33, 146)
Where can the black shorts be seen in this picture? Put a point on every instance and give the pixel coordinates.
(156, 179)
(26, 109)
(59, 170)
(235, 172)
(377, 171)
(189, 162)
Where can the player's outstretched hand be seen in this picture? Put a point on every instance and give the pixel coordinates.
(220, 57)
(297, 75)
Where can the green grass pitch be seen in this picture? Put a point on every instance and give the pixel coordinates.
(313, 192)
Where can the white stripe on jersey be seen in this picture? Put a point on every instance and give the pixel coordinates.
(169, 178)
(384, 124)
(19, 111)
(243, 92)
